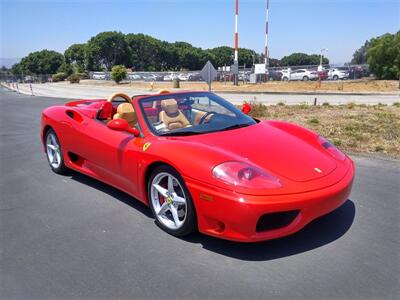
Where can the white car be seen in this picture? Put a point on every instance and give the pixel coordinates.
(183, 76)
(99, 75)
(170, 77)
(300, 74)
(133, 76)
(336, 74)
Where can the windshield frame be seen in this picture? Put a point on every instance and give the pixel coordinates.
(225, 103)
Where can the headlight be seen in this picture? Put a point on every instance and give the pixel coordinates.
(328, 146)
(243, 175)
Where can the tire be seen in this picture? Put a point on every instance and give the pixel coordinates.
(285, 79)
(174, 214)
(305, 78)
(335, 77)
(54, 152)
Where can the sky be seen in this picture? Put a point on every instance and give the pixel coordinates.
(342, 26)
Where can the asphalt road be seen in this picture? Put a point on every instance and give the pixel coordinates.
(73, 237)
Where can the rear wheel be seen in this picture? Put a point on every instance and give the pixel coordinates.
(285, 78)
(305, 78)
(171, 202)
(54, 152)
(335, 77)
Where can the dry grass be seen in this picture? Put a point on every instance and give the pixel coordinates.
(353, 128)
(365, 85)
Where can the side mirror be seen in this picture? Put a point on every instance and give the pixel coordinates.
(122, 125)
(246, 108)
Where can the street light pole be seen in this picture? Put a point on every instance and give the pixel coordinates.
(322, 50)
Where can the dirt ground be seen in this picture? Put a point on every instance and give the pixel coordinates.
(349, 86)
(353, 128)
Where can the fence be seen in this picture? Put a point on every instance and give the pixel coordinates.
(224, 74)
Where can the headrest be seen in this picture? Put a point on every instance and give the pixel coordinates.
(126, 111)
(105, 111)
(125, 108)
(170, 106)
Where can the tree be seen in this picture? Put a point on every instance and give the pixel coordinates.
(186, 56)
(221, 56)
(302, 59)
(146, 52)
(383, 56)
(118, 73)
(75, 55)
(360, 56)
(246, 57)
(40, 62)
(106, 50)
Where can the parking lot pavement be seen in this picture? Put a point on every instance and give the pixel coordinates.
(73, 237)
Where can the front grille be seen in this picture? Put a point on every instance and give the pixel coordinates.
(276, 220)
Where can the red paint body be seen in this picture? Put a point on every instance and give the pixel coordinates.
(287, 151)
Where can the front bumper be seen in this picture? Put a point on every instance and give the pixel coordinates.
(234, 216)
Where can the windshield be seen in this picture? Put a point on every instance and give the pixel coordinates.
(191, 113)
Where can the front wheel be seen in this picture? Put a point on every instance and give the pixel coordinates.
(54, 152)
(335, 77)
(305, 78)
(170, 202)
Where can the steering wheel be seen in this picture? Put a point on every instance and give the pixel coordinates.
(121, 95)
(203, 118)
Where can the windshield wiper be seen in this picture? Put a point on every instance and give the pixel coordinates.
(235, 126)
(180, 133)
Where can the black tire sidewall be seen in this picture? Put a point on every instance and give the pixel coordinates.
(190, 224)
(61, 168)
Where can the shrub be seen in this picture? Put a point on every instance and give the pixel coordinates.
(59, 77)
(313, 121)
(118, 73)
(258, 110)
(396, 104)
(83, 75)
(74, 78)
(280, 103)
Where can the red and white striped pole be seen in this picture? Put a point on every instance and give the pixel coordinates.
(266, 54)
(236, 60)
(236, 57)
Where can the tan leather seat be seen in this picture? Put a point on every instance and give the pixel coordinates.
(126, 111)
(171, 116)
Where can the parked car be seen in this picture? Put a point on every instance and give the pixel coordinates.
(133, 76)
(323, 75)
(195, 77)
(99, 75)
(153, 77)
(195, 160)
(274, 75)
(183, 76)
(244, 76)
(170, 77)
(300, 74)
(338, 73)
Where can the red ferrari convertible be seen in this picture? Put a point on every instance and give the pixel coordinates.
(200, 163)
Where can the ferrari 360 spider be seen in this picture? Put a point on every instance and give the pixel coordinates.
(200, 163)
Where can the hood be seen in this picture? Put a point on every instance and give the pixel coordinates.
(273, 150)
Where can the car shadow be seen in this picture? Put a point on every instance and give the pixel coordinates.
(109, 190)
(318, 233)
